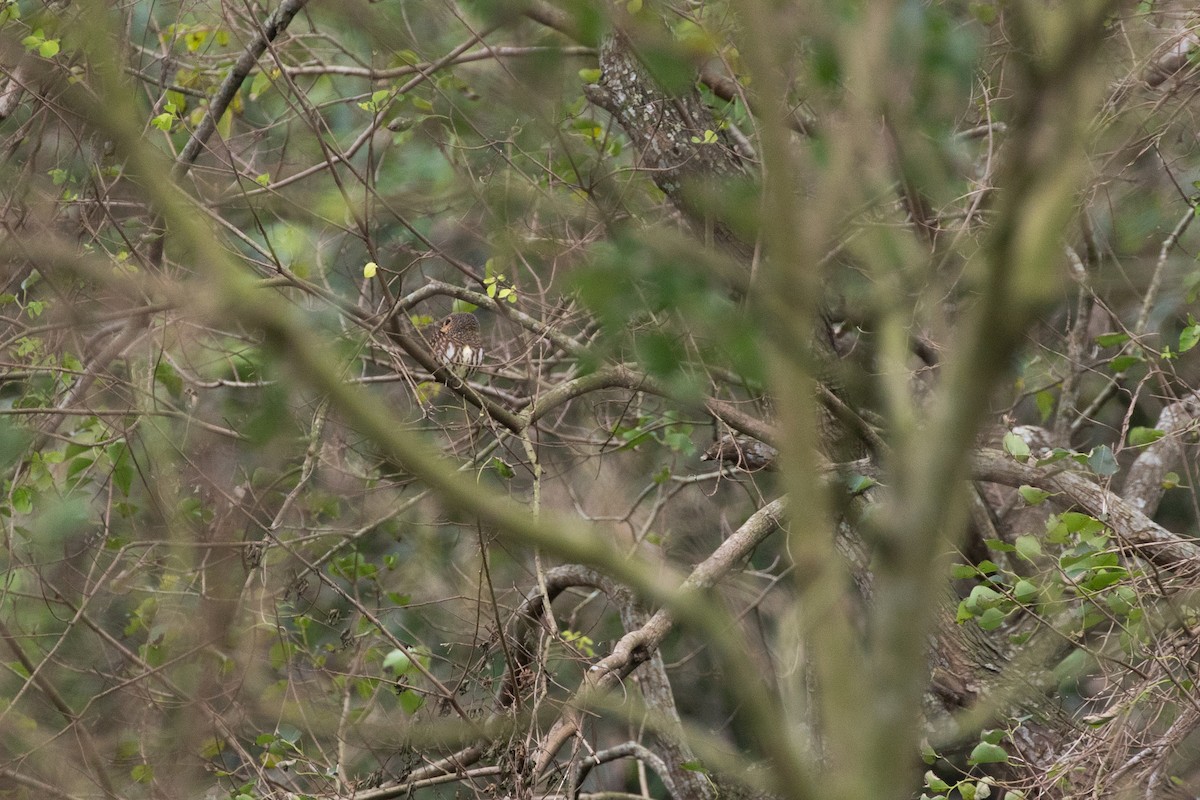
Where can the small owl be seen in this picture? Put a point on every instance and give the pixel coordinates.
(742, 452)
(457, 344)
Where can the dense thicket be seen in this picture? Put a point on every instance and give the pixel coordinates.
(834, 436)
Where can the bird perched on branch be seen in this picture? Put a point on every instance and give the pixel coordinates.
(457, 344)
(742, 452)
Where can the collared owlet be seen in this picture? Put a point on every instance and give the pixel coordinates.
(457, 344)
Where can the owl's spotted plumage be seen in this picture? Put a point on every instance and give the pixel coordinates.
(742, 452)
(457, 343)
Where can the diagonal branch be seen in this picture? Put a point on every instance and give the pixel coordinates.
(276, 23)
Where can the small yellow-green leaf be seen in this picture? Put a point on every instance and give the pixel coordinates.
(935, 783)
(1016, 447)
(225, 124)
(370, 269)
(1139, 436)
(1189, 337)
(985, 753)
(1032, 495)
(988, 753)
(1122, 363)
(1045, 404)
(1111, 339)
(34, 39)
(589, 75)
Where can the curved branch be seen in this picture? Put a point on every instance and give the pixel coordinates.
(637, 646)
(1151, 540)
(1143, 487)
(558, 580)
(626, 750)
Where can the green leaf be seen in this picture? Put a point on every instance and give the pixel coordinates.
(1122, 363)
(981, 598)
(985, 753)
(1080, 523)
(22, 500)
(1104, 578)
(1016, 447)
(165, 374)
(1057, 454)
(1025, 592)
(1032, 495)
(398, 662)
(964, 613)
(589, 75)
(1102, 461)
(410, 701)
(1045, 404)
(1189, 337)
(1112, 339)
(1028, 547)
(991, 619)
(261, 82)
(34, 39)
(1139, 436)
(935, 783)
(1121, 600)
(857, 484)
